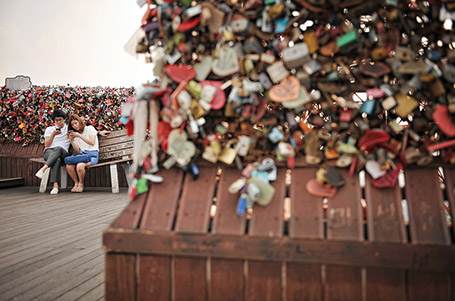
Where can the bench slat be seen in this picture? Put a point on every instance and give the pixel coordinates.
(385, 284)
(450, 189)
(385, 223)
(226, 220)
(117, 146)
(162, 200)
(384, 211)
(344, 212)
(197, 197)
(120, 280)
(264, 278)
(227, 280)
(428, 286)
(306, 210)
(130, 216)
(345, 222)
(115, 134)
(426, 213)
(115, 154)
(268, 220)
(154, 272)
(115, 140)
(304, 281)
(428, 226)
(190, 276)
(153, 277)
(343, 283)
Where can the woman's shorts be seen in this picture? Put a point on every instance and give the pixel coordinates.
(91, 156)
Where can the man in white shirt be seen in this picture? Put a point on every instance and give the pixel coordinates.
(56, 145)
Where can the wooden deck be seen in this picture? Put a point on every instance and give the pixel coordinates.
(50, 246)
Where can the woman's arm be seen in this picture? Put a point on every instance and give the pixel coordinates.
(73, 143)
(90, 140)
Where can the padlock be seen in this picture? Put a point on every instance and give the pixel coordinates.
(253, 192)
(228, 154)
(243, 146)
(275, 135)
(267, 191)
(242, 204)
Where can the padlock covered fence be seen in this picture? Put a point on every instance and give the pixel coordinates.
(25, 114)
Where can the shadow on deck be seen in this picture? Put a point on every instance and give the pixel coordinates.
(50, 246)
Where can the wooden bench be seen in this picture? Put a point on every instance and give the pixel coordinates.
(11, 182)
(115, 149)
(166, 244)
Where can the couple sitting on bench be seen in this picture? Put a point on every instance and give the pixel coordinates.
(57, 141)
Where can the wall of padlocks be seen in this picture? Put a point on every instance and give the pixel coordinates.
(364, 84)
(24, 115)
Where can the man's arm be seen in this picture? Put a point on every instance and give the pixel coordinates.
(48, 140)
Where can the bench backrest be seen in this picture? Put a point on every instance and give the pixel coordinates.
(116, 145)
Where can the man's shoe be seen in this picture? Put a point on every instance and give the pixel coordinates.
(39, 173)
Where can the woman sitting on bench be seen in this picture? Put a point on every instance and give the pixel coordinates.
(84, 140)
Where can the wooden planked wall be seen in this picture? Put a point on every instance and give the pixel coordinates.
(15, 162)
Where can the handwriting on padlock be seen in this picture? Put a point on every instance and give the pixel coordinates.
(179, 146)
(288, 89)
(226, 63)
(296, 56)
(243, 146)
(277, 72)
(203, 68)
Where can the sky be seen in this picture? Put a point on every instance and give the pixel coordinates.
(75, 42)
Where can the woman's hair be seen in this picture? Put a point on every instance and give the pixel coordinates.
(81, 124)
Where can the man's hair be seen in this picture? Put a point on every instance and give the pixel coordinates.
(58, 113)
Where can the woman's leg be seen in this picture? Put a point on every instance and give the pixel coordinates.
(72, 172)
(80, 168)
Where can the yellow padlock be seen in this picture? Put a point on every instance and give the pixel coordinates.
(228, 154)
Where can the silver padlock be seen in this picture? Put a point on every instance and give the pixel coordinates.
(269, 166)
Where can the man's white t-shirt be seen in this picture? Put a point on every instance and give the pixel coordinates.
(88, 131)
(60, 140)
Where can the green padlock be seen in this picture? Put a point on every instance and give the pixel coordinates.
(141, 186)
(346, 39)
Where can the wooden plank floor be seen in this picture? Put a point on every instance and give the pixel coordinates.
(50, 246)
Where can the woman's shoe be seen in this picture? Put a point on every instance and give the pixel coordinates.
(80, 188)
(74, 189)
(54, 191)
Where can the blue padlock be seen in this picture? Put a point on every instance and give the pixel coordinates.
(276, 135)
(368, 107)
(241, 204)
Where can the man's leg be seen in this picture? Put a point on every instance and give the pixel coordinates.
(55, 172)
(51, 155)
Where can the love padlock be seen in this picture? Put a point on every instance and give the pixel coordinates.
(228, 153)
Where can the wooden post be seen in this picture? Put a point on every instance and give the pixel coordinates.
(114, 178)
(44, 179)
